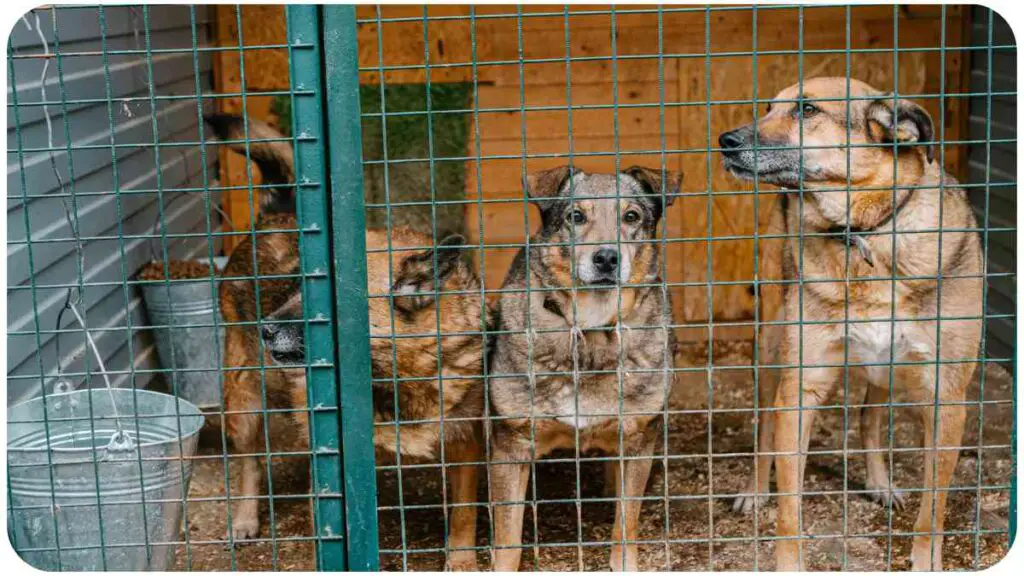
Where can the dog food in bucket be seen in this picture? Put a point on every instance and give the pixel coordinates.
(186, 321)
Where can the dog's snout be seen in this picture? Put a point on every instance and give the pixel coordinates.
(268, 331)
(731, 139)
(606, 260)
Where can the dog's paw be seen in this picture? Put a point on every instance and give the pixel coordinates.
(243, 529)
(461, 561)
(624, 558)
(745, 504)
(886, 495)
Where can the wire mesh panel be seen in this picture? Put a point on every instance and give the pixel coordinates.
(129, 272)
(511, 287)
(739, 247)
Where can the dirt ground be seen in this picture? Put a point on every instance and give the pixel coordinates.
(687, 524)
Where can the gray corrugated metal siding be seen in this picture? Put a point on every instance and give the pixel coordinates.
(80, 113)
(995, 164)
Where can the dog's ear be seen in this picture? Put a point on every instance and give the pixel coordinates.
(652, 182)
(548, 183)
(417, 276)
(545, 190)
(902, 122)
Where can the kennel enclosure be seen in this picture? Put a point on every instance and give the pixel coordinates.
(431, 118)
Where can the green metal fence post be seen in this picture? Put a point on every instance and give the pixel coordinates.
(348, 220)
(311, 205)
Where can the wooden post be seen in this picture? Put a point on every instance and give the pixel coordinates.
(265, 69)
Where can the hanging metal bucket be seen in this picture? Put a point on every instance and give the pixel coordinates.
(184, 313)
(83, 498)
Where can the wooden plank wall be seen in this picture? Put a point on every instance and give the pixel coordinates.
(686, 78)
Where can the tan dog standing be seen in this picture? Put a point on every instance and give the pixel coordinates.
(584, 360)
(868, 255)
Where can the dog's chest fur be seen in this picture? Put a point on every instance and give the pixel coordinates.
(581, 378)
(884, 341)
(862, 299)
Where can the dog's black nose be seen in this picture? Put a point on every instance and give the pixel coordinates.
(606, 260)
(268, 331)
(731, 139)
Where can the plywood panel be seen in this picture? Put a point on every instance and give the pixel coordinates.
(583, 124)
(582, 71)
(580, 93)
(265, 68)
(384, 44)
(502, 178)
(714, 210)
(707, 58)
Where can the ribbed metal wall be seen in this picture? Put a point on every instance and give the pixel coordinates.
(996, 164)
(76, 86)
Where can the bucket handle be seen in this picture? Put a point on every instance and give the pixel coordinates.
(61, 384)
(120, 443)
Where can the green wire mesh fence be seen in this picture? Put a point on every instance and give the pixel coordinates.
(111, 162)
(419, 342)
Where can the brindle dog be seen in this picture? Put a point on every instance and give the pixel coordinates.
(412, 305)
(882, 230)
(584, 360)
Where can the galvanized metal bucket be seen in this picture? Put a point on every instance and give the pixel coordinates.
(85, 496)
(188, 344)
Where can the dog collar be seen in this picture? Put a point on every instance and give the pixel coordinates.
(854, 236)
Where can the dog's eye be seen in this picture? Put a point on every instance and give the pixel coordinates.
(808, 110)
(576, 217)
(631, 217)
(768, 109)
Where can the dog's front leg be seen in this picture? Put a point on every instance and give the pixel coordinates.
(639, 448)
(769, 343)
(872, 418)
(509, 477)
(758, 486)
(462, 521)
(793, 424)
(244, 429)
(942, 438)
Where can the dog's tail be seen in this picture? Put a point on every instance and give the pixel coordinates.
(275, 158)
